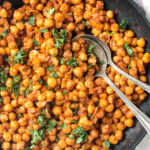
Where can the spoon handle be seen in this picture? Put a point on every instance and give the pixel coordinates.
(136, 81)
(143, 119)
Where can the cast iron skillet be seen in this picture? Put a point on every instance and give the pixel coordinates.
(139, 24)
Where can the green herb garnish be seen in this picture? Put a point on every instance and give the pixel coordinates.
(4, 33)
(62, 61)
(41, 120)
(81, 133)
(128, 49)
(26, 91)
(89, 65)
(40, 81)
(50, 68)
(15, 86)
(37, 135)
(71, 136)
(30, 83)
(36, 43)
(123, 25)
(51, 11)
(74, 121)
(1, 100)
(84, 22)
(3, 77)
(64, 92)
(90, 48)
(102, 62)
(51, 124)
(107, 144)
(63, 125)
(31, 20)
(19, 57)
(72, 62)
(75, 112)
(43, 111)
(43, 30)
(60, 38)
(54, 75)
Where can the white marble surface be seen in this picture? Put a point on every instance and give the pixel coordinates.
(145, 143)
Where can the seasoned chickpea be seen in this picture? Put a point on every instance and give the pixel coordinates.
(51, 82)
(78, 72)
(129, 122)
(57, 110)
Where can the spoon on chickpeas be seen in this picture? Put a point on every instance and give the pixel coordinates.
(103, 54)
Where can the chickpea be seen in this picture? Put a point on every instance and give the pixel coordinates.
(51, 82)
(62, 144)
(91, 109)
(141, 42)
(14, 124)
(110, 14)
(109, 90)
(7, 136)
(12, 116)
(3, 13)
(75, 2)
(59, 96)
(17, 138)
(75, 46)
(119, 135)
(18, 15)
(70, 142)
(113, 139)
(128, 90)
(129, 122)
(70, 84)
(129, 33)
(57, 110)
(6, 146)
(26, 137)
(8, 107)
(78, 72)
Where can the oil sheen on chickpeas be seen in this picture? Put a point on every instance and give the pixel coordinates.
(49, 97)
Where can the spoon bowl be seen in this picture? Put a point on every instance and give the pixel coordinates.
(101, 55)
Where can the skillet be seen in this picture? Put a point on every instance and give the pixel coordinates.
(139, 24)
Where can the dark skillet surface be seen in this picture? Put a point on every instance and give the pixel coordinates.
(138, 23)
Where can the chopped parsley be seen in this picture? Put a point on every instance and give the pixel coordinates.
(51, 11)
(3, 77)
(37, 135)
(50, 68)
(43, 30)
(36, 43)
(19, 57)
(62, 61)
(15, 86)
(51, 124)
(72, 62)
(40, 81)
(30, 83)
(123, 25)
(43, 111)
(26, 91)
(54, 75)
(64, 92)
(128, 49)
(107, 144)
(41, 120)
(31, 20)
(71, 136)
(20, 115)
(84, 22)
(4, 88)
(81, 133)
(60, 38)
(75, 112)
(102, 62)
(1, 100)
(4, 33)
(90, 48)
(74, 121)
(63, 125)
(89, 65)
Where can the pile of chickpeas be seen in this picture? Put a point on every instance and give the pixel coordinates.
(72, 97)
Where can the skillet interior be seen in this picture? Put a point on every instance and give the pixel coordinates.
(139, 24)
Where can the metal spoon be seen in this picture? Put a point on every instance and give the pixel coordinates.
(143, 119)
(110, 62)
